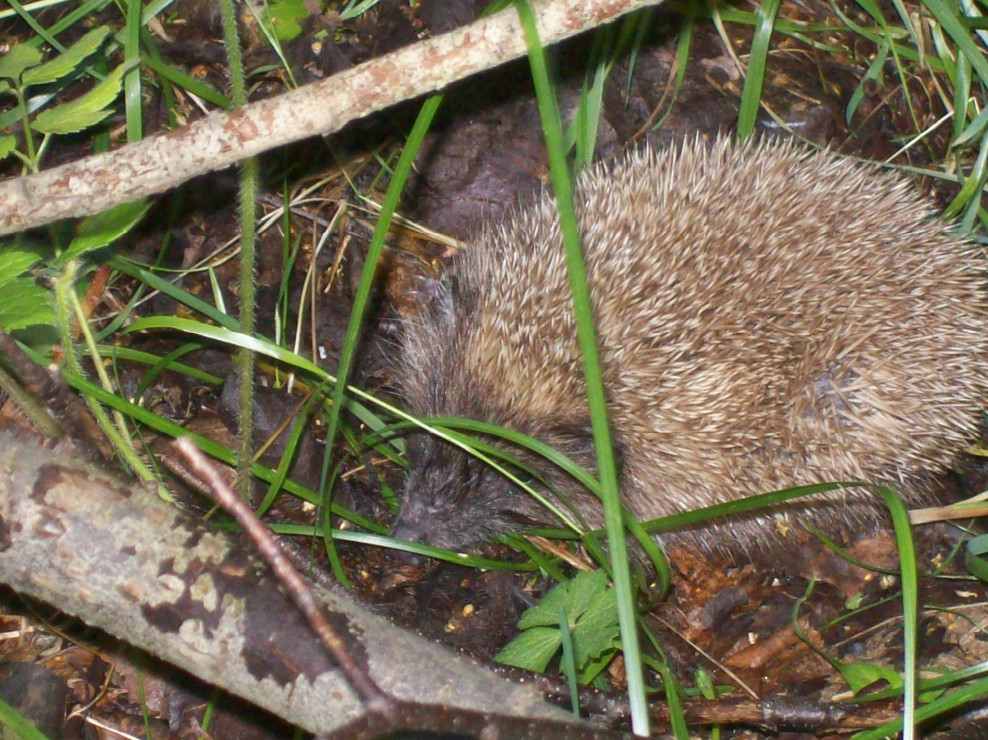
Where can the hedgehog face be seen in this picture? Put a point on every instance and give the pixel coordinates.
(453, 500)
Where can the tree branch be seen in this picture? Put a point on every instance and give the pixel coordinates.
(123, 560)
(164, 161)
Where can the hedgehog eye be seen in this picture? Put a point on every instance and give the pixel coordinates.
(525, 476)
(522, 520)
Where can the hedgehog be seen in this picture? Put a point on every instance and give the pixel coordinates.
(768, 316)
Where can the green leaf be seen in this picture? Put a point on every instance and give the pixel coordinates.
(7, 145)
(973, 130)
(282, 18)
(68, 61)
(532, 649)
(874, 72)
(974, 181)
(15, 260)
(15, 61)
(104, 228)
(590, 606)
(572, 596)
(25, 303)
(597, 630)
(705, 683)
(594, 667)
(68, 122)
(861, 675)
(976, 557)
(83, 112)
(187, 82)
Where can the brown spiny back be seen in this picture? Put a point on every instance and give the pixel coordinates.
(768, 317)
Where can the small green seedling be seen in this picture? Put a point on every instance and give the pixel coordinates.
(591, 613)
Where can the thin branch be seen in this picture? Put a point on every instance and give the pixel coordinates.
(377, 701)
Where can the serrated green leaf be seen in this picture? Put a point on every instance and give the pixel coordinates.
(68, 122)
(597, 629)
(572, 597)
(7, 145)
(584, 590)
(601, 610)
(24, 303)
(69, 60)
(532, 649)
(596, 665)
(83, 112)
(15, 260)
(15, 61)
(104, 228)
(590, 606)
(546, 612)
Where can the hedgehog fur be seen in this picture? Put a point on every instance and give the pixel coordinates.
(768, 316)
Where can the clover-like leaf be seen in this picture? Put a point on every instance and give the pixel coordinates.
(590, 609)
(532, 649)
(572, 597)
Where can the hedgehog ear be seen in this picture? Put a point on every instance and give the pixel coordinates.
(436, 299)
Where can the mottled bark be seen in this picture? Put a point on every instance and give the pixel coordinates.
(121, 559)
